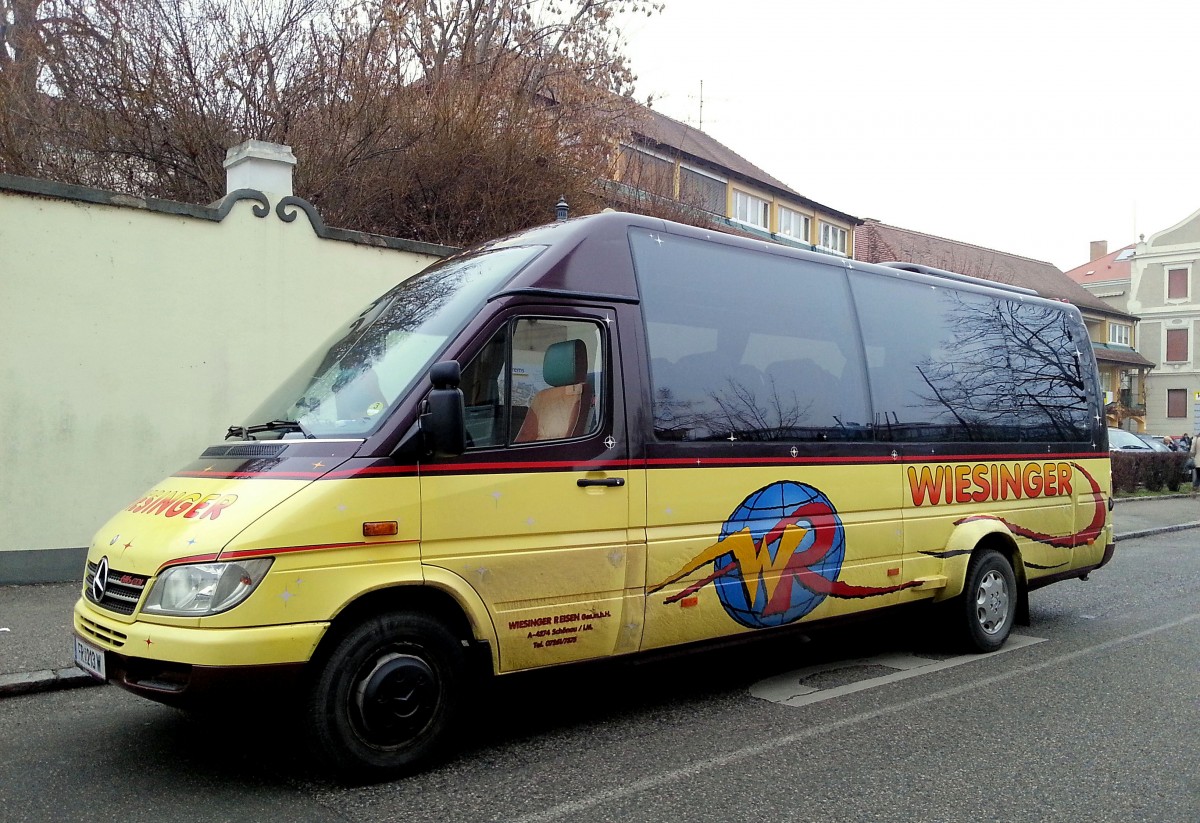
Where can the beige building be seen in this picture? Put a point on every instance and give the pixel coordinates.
(1164, 280)
(136, 331)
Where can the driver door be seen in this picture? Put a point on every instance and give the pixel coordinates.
(534, 516)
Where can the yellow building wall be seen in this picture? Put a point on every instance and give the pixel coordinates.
(776, 203)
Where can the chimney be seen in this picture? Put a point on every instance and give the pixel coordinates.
(1099, 249)
(257, 164)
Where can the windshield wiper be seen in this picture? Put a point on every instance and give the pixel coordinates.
(244, 432)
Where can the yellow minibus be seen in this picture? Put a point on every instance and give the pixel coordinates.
(606, 436)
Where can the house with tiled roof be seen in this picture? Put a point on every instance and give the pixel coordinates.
(1123, 371)
(675, 170)
(1106, 274)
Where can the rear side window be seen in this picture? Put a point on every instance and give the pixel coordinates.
(957, 365)
(746, 345)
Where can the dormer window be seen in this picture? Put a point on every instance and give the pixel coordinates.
(833, 237)
(793, 224)
(753, 211)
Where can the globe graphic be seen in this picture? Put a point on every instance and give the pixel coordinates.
(764, 513)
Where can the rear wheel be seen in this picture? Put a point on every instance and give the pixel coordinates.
(387, 696)
(988, 605)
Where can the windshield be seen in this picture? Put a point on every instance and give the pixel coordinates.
(1121, 439)
(346, 387)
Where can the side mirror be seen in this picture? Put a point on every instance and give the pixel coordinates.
(442, 423)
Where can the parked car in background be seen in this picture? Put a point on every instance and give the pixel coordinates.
(1119, 439)
(1154, 441)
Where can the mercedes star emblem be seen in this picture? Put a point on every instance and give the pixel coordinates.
(100, 581)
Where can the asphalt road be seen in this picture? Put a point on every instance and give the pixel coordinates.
(1092, 716)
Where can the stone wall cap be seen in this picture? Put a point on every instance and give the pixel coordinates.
(260, 150)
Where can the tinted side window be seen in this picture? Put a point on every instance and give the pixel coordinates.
(746, 345)
(1050, 373)
(956, 365)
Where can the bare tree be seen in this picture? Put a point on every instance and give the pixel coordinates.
(443, 120)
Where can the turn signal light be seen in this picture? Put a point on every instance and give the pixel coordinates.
(381, 528)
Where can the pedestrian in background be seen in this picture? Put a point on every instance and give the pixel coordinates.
(1192, 462)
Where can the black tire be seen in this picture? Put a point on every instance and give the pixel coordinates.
(386, 697)
(988, 605)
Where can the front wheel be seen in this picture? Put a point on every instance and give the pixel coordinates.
(988, 604)
(386, 697)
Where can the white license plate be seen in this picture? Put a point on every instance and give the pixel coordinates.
(89, 658)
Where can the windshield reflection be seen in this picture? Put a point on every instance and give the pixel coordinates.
(347, 386)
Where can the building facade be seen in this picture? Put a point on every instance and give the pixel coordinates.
(673, 170)
(1106, 276)
(1164, 279)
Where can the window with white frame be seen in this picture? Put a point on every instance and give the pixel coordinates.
(1177, 403)
(1118, 334)
(751, 210)
(1177, 282)
(833, 237)
(794, 224)
(1177, 346)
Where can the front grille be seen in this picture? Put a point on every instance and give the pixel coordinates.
(122, 593)
(105, 636)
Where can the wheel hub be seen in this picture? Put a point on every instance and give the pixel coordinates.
(395, 700)
(991, 603)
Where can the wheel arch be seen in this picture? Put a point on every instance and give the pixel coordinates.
(971, 537)
(443, 596)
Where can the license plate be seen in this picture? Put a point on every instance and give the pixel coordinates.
(90, 659)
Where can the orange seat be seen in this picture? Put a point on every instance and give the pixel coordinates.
(559, 411)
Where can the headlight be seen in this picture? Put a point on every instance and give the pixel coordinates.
(205, 588)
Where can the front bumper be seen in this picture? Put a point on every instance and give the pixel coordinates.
(185, 665)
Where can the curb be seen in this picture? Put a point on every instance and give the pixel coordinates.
(48, 680)
(1175, 496)
(45, 680)
(1157, 530)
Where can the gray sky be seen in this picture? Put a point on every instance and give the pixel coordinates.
(1029, 126)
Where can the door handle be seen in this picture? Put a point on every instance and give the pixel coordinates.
(607, 481)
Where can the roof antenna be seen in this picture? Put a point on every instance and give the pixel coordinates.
(701, 127)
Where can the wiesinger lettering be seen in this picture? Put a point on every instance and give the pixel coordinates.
(966, 483)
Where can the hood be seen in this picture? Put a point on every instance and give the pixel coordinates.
(193, 514)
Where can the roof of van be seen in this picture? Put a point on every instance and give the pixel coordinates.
(590, 256)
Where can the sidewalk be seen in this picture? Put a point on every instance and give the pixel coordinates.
(35, 620)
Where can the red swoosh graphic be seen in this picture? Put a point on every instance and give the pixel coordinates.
(1086, 536)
